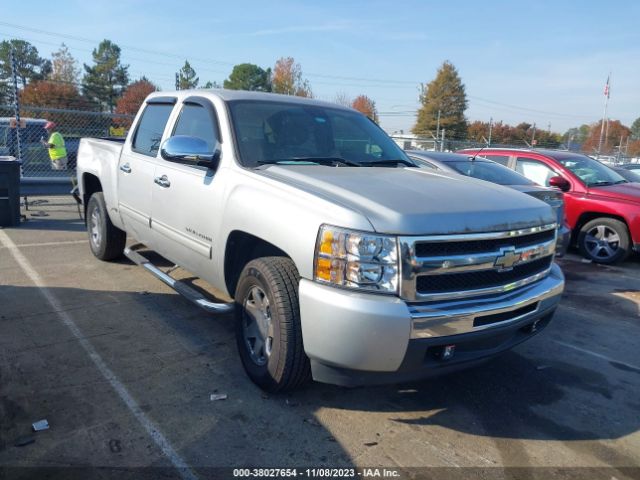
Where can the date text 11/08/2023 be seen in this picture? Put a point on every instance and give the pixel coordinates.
(316, 473)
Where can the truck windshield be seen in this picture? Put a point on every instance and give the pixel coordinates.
(591, 171)
(293, 133)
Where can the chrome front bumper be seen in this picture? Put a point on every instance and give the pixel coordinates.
(366, 332)
(463, 316)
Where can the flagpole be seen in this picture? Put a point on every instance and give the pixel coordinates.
(604, 115)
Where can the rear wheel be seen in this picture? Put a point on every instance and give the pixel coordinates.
(604, 240)
(268, 330)
(105, 239)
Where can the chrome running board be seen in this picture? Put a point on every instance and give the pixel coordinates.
(183, 289)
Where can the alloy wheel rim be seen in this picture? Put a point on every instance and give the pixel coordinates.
(257, 326)
(96, 233)
(602, 242)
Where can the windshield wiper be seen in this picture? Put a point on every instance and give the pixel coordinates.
(600, 184)
(333, 161)
(397, 162)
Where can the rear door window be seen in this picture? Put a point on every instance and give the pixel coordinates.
(534, 170)
(150, 128)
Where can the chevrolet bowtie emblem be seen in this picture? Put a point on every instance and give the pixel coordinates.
(508, 258)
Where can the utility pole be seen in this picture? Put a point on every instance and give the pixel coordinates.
(16, 104)
(533, 135)
(177, 82)
(620, 148)
(438, 124)
(442, 142)
(549, 128)
(604, 115)
(490, 130)
(626, 149)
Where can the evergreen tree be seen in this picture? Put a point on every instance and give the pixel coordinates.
(446, 93)
(187, 77)
(30, 66)
(104, 82)
(211, 84)
(247, 76)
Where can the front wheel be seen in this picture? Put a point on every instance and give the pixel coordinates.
(105, 239)
(268, 330)
(604, 240)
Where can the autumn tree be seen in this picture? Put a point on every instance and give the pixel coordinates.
(53, 95)
(106, 79)
(287, 79)
(634, 149)
(132, 99)
(64, 68)
(445, 94)
(610, 139)
(520, 135)
(247, 76)
(187, 77)
(365, 105)
(30, 66)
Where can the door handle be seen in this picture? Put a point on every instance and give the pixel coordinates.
(163, 181)
(125, 168)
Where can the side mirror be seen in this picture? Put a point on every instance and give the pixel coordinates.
(190, 150)
(560, 182)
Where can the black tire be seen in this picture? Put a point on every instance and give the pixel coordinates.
(283, 365)
(105, 240)
(604, 240)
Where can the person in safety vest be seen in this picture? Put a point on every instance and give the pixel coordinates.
(57, 150)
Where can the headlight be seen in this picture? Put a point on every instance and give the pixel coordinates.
(357, 260)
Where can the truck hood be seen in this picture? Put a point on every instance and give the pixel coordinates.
(413, 201)
(629, 192)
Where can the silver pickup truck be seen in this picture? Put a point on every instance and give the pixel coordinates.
(343, 261)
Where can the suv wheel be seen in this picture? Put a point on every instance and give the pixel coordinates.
(604, 240)
(268, 330)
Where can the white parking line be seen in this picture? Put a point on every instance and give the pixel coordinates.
(153, 431)
(46, 244)
(597, 355)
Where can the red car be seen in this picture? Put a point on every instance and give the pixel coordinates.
(601, 207)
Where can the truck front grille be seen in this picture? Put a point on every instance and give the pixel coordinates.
(454, 282)
(426, 249)
(458, 266)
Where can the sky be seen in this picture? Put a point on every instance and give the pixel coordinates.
(543, 62)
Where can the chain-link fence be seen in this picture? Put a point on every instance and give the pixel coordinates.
(71, 124)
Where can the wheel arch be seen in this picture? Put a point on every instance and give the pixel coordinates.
(588, 216)
(90, 185)
(240, 249)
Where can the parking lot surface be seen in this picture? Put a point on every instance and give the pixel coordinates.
(123, 370)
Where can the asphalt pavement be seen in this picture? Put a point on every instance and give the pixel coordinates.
(123, 370)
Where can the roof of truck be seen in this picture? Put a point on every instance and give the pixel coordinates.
(233, 95)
